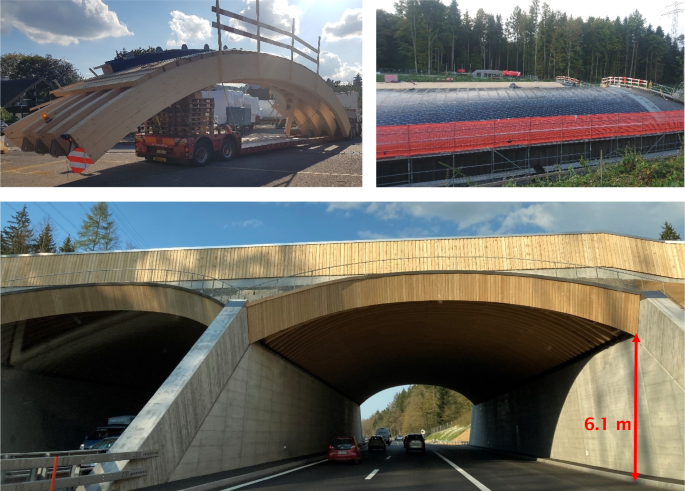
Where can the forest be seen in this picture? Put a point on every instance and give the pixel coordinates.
(420, 407)
(427, 36)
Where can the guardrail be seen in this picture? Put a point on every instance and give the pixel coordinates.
(570, 80)
(672, 92)
(47, 471)
(447, 442)
(224, 291)
(631, 82)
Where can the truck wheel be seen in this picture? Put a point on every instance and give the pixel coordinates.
(227, 149)
(202, 154)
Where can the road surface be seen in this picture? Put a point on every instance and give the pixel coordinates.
(396, 470)
(336, 164)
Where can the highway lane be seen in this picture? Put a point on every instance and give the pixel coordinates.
(398, 471)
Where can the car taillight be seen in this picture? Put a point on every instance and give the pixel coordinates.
(330, 447)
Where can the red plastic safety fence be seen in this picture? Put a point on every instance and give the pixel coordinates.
(463, 136)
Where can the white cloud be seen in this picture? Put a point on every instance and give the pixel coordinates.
(639, 219)
(252, 223)
(277, 13)
(62, 22)
(331, 66)
(187, 28)
(348, 27)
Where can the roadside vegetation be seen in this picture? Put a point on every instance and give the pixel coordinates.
(633, 171)
(412, 77)
(421, 407)
(449, 434)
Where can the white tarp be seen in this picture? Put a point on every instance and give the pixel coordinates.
(231, 98)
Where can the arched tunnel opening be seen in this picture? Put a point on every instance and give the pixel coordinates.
(63, 376)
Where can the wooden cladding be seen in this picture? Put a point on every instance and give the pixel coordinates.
(375, 257)
(479, 334)
(33, 304)
(616, 309)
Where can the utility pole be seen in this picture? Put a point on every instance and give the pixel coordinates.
(673, 14)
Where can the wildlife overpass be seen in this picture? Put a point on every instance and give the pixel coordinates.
(277, 346)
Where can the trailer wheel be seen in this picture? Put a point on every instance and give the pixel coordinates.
(202, 154)
(227, 149)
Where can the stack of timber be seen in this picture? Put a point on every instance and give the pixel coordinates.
(191, 115)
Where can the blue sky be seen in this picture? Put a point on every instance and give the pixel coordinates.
(158, 225)
(88, 32)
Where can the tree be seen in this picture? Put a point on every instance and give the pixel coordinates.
(669, 233)
(18, 235)
(121, 55)
(98, 230)
(45, 241)
(357, 82)
(67, 245)
(19, 65)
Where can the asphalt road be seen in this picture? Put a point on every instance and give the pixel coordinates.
(337, 164)
(399, 471)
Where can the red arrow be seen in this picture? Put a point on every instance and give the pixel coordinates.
(635, 473)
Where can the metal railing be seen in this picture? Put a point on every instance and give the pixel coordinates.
(43, 471)
(220, 289)
(224, 291)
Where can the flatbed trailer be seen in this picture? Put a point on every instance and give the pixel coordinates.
(199, 150)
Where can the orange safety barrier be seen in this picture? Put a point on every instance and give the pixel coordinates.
(463, 136)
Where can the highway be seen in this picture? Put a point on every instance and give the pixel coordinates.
(396, 470)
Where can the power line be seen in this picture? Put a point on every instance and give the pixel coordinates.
(125, 227)
(140, 237)
(49, 218)
(63, 216)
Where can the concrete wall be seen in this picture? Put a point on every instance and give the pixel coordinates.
(269, 410)
(546, 417)
(42, 413)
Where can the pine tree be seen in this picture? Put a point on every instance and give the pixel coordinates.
(45, 241)
(18, 235)
(669, 233)
(98, 230)
(67, 245)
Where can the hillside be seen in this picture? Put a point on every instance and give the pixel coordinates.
(421, 407)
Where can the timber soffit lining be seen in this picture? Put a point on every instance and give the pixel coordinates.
(477, 347)
(153, 297)
(371, 257)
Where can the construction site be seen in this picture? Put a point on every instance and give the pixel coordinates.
(196, 106)
(460, 134)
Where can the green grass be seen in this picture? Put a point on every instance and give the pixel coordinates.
(449, 434)
(633, 171)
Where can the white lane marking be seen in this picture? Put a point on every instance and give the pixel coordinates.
(372, 474)
(275, 475)
(464, 473)
(388, 457)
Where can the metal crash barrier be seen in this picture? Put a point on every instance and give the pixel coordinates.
(47, 471)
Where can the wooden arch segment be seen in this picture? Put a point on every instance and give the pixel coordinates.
(477, 333)
(98, 112)
(46, 302)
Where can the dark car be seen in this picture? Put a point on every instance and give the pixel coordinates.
(104, 444)
(414, 442)
(344, 448)
(377, 443)
(100, 433)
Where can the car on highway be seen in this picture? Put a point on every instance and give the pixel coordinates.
(104, 444)
(3, 127)
(398, 438)
(385, 434)
(114, 428)
(344, 448)
(377, 443)
(414, 442)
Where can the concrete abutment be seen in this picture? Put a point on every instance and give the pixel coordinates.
(546, 417)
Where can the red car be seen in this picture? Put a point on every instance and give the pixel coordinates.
(344, 448)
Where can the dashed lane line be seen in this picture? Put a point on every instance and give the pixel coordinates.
(468, 476)
(388, 457)
(275, 475)
(370, 476)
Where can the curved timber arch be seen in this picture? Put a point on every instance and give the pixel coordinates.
(98, 112)
(23, 305)
(480, 334)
